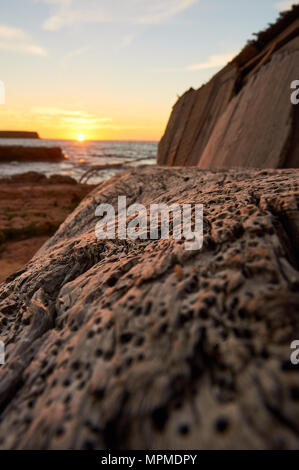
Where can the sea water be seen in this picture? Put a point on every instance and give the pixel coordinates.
(80, 157)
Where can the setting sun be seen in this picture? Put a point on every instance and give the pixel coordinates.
(80, 137)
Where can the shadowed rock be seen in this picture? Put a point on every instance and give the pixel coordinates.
(18, 135)
(122, 344)
(32, 207)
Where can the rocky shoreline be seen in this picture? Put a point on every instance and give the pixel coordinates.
(236, 119)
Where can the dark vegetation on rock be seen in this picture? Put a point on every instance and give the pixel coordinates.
(122, 344)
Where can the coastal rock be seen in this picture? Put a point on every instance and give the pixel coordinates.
(18, 153)
(32, 206)
(18, 135)
(194, 118)
(142, 344)
(35, 177)
(171, 140)
(243, 116)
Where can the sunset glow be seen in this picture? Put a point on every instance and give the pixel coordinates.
(60, 81)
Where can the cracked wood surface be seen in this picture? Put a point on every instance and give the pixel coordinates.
(122, 344)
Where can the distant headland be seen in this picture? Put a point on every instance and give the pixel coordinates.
(18, 135)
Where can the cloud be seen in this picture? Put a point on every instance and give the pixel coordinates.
(70, 12)
(68, 117)
(285, 5)
(17, 40)
(214, 61)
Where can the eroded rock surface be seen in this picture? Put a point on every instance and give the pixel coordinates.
(122, 344)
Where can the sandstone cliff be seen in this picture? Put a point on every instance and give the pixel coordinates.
(244, 116)
(32, 207)
(122, 344)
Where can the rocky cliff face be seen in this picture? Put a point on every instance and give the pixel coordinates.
(18, 135)
(19, 153)
(122, 344)
(244, 116)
